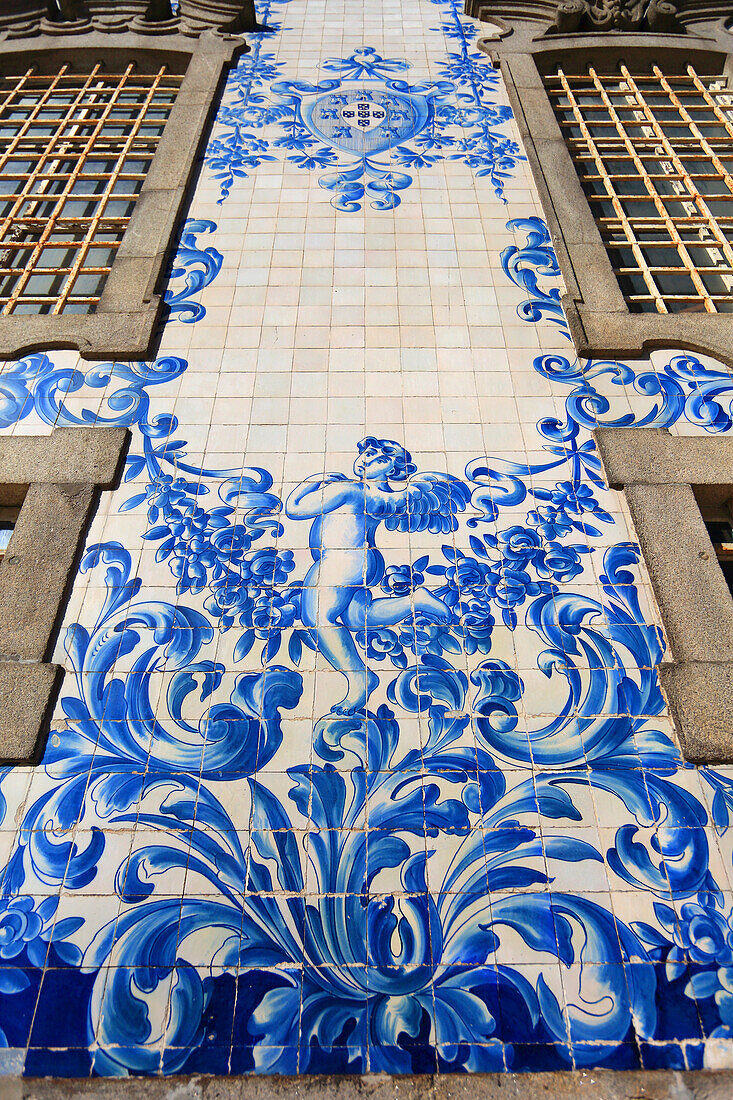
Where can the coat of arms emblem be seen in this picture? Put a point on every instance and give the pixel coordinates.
(363, 120)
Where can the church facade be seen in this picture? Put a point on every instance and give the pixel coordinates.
(366, 633)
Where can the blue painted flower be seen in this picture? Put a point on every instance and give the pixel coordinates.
(192, 564)
(466, 573)
(400, 580)
(511, 586)
(20, 924)
(267, 566)
(167, 492)
(570, 497)
(478, 623)
(228, 599)
(558, 562)
(185, 523)
(704, 934)
(231, 543)
(425, 637)
(550, 522)
(519, 544)
(272, 613)
(379, 644)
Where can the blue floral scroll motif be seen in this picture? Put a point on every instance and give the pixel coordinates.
(36, 385)
(685, 387)
(427, 985)
(347, 975)
(380, 890)
(480, 144)
(355, 949)
(200, 266)
(523, 265)
(385, 127)
(239, 144)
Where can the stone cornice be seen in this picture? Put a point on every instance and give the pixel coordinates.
(600, 16)
(29, 19)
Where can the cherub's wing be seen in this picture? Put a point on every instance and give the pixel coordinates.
(430, 502)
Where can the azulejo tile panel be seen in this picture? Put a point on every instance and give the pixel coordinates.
(361, 762)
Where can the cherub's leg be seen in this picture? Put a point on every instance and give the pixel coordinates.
(391, 610)
(322, 609)
(427, 603)
(388, 611)
(337, 645)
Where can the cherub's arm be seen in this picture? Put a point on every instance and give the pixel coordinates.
(297, 506)
(336, 494)
(312, 497)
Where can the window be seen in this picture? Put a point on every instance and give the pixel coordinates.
(716, 506)
(654, 154)
(98, 143)
(49, 490)
(8, 518)
(628, 131)
(679, 491)
(75, 148)
(721, 536)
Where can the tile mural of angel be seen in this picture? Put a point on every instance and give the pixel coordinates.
(487, 854)
(337, 599)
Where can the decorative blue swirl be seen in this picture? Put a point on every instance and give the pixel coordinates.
(200, 266)
(35, 385)
(686, 388)
(523, 265)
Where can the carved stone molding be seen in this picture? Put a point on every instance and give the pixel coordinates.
(31, 18)
(57, 479)
(232, 16)
(657, 472)
(658, 16)
(602, 16)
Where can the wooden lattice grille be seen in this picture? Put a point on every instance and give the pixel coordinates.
(74, 151)
(654, 154)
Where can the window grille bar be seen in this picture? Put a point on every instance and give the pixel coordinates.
(12, 92)
(60, 201)
(664, 214)
(104, 198)
(704, 92)
(666, 189)
(72, 143)
(611, 192)
(695, 129)
(33, 115)
(710, 222)
(43, 159)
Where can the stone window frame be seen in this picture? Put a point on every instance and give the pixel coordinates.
(600, 322)
(59, 479)
(126, 321)
(657, 472)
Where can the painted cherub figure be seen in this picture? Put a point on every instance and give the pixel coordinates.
(337, 600)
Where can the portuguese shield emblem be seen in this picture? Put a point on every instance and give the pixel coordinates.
(364, 120)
